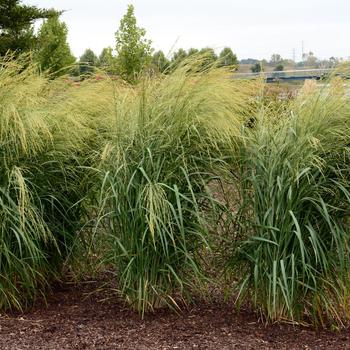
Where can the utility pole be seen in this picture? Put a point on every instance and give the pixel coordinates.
(293, 55)
(302, 50)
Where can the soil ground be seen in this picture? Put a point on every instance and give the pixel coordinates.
(76, 318)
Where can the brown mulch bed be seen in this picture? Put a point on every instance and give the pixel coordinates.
(76, 319)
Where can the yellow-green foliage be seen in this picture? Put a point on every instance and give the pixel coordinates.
(38, 148)
(23, 129)
(150, 154)
(292, 249)
(164, 148)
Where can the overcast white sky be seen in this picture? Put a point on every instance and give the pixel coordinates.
(255, 28)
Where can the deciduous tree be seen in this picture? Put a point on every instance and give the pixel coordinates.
(228, 58)
(178, 57)
(276, 58)
(134, 51)
(209, 57)
(279, 68)
(256, 68)
(87, 61)
(192, 51)
(160, 61)
(107, 61)
(53, 52)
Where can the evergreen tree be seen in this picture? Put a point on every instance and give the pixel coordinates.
(16, 25)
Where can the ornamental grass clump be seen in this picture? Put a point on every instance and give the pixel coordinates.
(155, 201)
(294, 181)
(38, 189)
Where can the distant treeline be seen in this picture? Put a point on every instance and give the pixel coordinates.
(132, 54)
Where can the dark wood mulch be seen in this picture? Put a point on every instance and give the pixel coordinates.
(75, 319)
